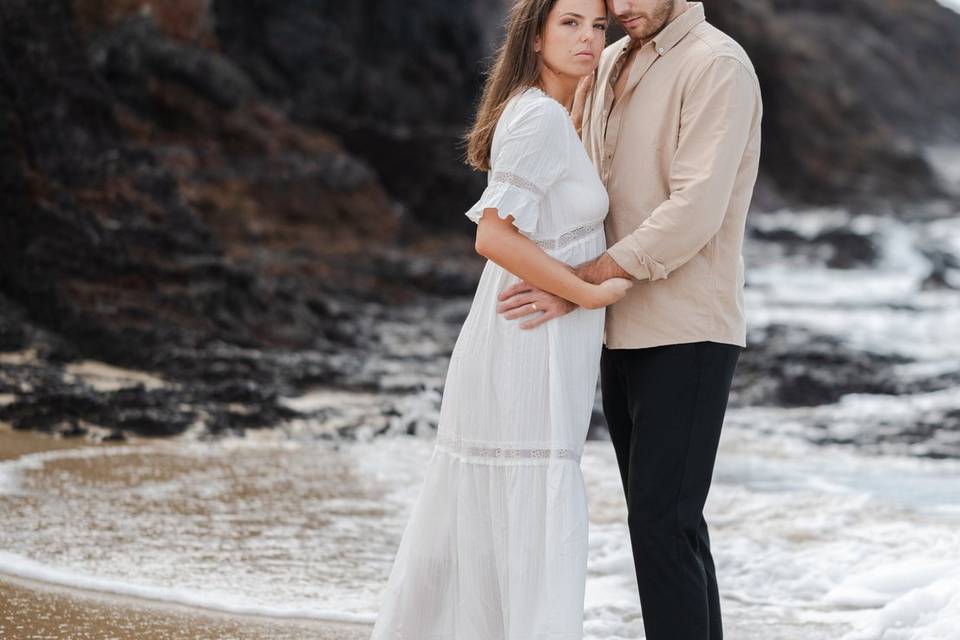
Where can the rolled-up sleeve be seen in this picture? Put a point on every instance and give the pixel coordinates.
(715, 125)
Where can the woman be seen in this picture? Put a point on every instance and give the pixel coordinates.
(496, 545)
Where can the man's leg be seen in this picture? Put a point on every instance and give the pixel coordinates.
(713, 592)
(614, 395)
(675, 397)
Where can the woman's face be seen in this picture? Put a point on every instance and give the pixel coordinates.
(573, 37)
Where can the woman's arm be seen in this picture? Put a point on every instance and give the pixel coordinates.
(498, 240)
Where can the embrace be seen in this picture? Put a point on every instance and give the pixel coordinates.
(619, 179)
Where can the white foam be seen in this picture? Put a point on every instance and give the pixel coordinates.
(16, 565)
(951, 4)
(880, 309)
(882, 585)
(921, 610)
(11, 470)
(875, 421)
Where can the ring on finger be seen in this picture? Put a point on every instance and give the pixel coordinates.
(533, 305)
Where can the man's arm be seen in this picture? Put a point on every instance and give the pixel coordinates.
(715, 126)
(601, 268)
(514, 301)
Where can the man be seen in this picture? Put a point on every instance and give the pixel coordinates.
(673, 127)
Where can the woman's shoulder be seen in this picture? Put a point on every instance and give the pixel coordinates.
(533, 108)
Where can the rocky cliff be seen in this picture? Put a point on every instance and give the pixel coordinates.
(161, 212)
(855, 92)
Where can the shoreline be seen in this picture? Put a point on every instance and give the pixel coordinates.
(35, 608)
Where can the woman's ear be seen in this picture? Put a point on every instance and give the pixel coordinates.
(537, 44)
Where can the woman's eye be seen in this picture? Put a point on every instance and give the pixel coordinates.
(571, 22)
(602, 27)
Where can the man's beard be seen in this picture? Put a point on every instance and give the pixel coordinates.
(658, 20)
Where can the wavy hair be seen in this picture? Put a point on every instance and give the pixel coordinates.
(515, 67)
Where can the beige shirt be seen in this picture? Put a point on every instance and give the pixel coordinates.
(678, 153)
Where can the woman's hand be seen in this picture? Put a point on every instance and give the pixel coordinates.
(607, 292)
(580, 101)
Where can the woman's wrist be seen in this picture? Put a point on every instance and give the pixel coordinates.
(586, 295)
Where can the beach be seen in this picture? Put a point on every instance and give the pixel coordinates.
(272, 537)
(36, 609)
(31, 609)
(235, 267)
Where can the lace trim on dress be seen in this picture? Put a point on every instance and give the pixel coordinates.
(570, 236)
(475, 450)
(517, 181)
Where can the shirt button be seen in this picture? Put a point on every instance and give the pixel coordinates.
(660, 50)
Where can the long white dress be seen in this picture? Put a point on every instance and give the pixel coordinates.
(496, 544)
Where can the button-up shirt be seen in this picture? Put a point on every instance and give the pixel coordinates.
(678, 152)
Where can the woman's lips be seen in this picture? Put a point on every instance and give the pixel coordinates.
(585, 53)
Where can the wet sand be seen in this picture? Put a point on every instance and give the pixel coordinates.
(34, 610)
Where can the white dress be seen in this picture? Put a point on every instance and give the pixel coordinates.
(496, 544)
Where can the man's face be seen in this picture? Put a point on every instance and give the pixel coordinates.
(641, 19)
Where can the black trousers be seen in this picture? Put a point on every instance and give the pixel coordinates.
(664, 407)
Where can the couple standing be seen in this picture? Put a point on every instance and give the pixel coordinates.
(625, 242)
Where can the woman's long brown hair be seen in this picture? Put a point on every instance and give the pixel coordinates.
(516, 66)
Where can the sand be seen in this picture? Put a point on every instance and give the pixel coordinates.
(34, 610)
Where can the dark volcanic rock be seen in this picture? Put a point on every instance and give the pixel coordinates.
(941, 263)
(853, 91)
(844, 248)
(118, 222)
(46, 400)
(159, 215)
(792, 367)
(395, 82)
(136, 53)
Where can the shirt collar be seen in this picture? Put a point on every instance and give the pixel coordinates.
(676, 29)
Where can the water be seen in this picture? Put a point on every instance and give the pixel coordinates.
(242, 526)
(809, 539)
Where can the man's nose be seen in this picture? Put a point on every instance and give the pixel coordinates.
(618, 7)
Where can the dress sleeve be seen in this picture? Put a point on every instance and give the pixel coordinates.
(531, 157)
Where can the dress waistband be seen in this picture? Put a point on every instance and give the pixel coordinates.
(569, 237)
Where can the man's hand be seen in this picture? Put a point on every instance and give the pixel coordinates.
(599, 269)
(580, 101)
(518, 300)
